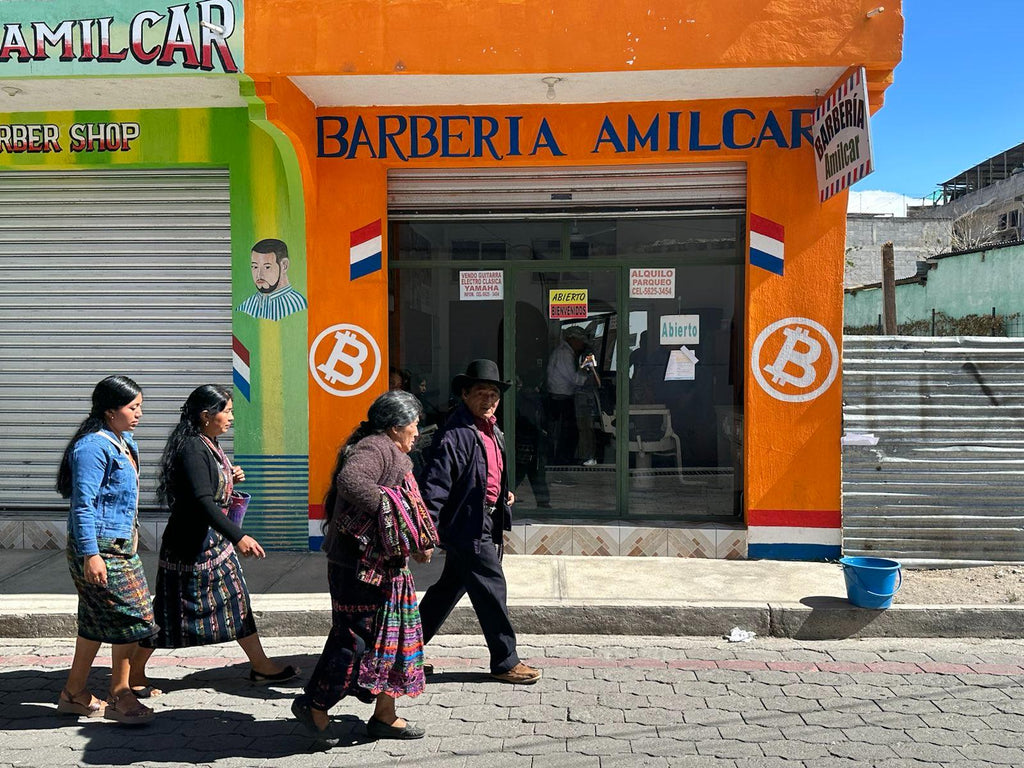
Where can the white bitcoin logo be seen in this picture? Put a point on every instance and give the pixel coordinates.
(344, 370)
(793, 370)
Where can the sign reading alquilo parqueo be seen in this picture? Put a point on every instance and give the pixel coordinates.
(842, 135)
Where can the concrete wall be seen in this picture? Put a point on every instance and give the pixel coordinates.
(913, 239)
(959, 285)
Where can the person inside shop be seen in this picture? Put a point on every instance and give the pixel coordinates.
(99, 472)
(275, 296)
(399, 378)
(374, 651)
(570, 368)
(201, 597)
(465, 487)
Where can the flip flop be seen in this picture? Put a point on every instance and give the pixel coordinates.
(67, 705)
(138, 714)
(146, 691)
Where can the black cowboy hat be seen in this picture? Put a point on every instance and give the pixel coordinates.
(480, 372)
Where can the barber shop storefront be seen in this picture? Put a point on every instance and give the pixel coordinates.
(632, 229)
(653, 290)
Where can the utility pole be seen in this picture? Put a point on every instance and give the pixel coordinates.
(888, 291)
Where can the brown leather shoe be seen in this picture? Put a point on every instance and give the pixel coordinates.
(520, 674)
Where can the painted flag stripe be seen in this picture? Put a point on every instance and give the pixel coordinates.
(770, 534)
(769, 245)
(804, 552)
(767, 227)
(241, 385)
(363, 234)
(365, 266)
(240, 366)
(365, 250)
(240, 350)
(800, 518)
(766, 261)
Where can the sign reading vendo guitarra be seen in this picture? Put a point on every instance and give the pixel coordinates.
(89, 37)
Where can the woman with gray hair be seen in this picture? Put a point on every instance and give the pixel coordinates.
(375, 648)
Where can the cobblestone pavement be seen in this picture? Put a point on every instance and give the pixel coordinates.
(604, 702)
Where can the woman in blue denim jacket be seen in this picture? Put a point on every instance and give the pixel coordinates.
(100, 474)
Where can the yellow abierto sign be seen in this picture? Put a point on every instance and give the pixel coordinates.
(566, 304)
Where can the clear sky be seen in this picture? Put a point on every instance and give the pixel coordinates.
(957, 96)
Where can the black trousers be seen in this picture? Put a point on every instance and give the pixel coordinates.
(479, 575)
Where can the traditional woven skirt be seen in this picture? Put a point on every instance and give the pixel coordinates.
(394, 665)
(203, 601)
(122, 611)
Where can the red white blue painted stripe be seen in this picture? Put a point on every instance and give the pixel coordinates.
(366, 251)
(240, 371)
(774, 534)
(767, 244)
(316, 521)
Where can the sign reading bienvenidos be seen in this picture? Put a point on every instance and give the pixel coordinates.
(115, 37)
(842, 135)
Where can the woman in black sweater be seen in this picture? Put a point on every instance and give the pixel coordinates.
(200, 596)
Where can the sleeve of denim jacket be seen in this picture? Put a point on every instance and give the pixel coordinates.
(89, 463)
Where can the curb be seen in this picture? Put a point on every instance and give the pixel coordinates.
(824, 619)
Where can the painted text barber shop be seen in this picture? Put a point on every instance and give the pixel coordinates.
(17, 138)
(413, 137)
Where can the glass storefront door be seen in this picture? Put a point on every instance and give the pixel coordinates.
(565, 368)
(625, 356)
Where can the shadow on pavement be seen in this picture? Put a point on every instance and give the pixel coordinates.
(178, 735)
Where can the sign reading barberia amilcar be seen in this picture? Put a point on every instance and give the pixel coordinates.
(108, 37)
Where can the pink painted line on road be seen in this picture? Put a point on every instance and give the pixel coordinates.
(164, 659)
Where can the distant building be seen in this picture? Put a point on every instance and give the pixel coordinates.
(987, 201)
(924, 232)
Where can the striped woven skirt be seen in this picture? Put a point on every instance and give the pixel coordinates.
(121, 611)
(395, 663)
(201, 602)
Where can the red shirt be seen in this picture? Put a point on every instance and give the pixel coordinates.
(494, 462)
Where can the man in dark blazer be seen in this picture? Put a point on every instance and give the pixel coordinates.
(465, 487)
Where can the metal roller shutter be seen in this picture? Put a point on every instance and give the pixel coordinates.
(703, 187)
(106, 271)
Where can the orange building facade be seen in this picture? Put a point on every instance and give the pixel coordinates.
(526, 148)
(533, 182)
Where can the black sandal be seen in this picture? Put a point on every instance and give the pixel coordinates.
(284, 675)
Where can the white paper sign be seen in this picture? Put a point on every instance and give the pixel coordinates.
(652, 283)
(842, 135)
(481, 285)
(679, 329)
(682, 365)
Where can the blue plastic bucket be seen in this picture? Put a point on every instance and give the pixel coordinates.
(871, 582)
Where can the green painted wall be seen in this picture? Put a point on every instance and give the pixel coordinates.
(271, 427)
(968, 284)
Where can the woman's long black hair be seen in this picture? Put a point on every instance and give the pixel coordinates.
(212, 398)
(395, 408)
(111, 393)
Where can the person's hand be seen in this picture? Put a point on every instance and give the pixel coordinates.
(424, 556)
(511, 498)
(95, 570)
(249, 547)
(237, 473)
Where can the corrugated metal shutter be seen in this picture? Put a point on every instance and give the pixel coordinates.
(106, 271)
(946, 480)
(659, 187)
